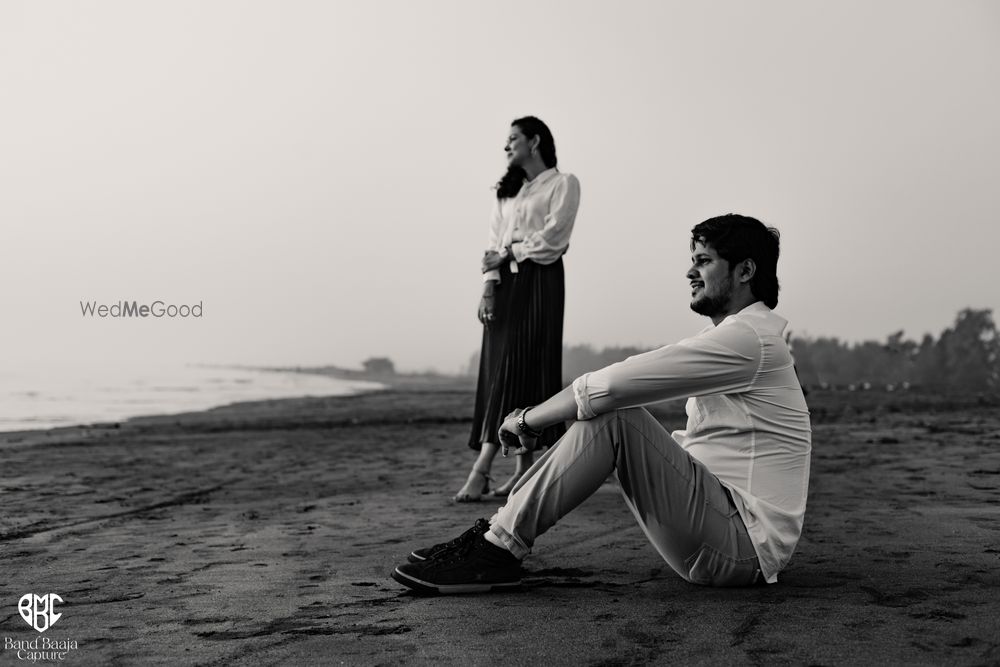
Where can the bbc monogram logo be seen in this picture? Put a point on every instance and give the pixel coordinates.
(39, 611)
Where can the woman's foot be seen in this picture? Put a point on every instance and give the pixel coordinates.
(524, 462)
(475, 487)
(504, 489)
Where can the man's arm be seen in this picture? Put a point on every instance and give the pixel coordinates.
(673, 371)
(559, 408)
(724, 360)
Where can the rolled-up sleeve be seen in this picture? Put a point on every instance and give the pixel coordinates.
(582, 389)
(549, 243)
(493, 239)
(722, 360)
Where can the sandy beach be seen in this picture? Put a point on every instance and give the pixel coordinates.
(264, 533)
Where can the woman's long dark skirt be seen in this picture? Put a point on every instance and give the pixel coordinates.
(520, 363)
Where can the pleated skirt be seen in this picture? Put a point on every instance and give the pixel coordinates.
(520, 363)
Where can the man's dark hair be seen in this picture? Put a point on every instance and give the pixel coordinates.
(738, 237)
(510, 184)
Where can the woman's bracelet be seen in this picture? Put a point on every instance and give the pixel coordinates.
(523, 427)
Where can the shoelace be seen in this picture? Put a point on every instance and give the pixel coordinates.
(469, 536)
(460, 551)
(454, 556)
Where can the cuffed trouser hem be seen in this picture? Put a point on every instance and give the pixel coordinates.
(513, 545)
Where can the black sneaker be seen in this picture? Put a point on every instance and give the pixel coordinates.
(482, 525)
(477, 567)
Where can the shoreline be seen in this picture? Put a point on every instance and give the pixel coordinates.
(178, 411)
(407, 381)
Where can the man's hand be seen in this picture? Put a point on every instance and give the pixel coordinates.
(492, 260)
(510, 436)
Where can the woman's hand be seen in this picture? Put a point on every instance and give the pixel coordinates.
(487, 305)
(487, 309)
(492, 260)
(510, 436)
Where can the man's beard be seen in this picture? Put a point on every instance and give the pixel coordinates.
(710, 306)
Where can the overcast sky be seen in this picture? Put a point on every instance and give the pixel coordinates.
(318, 174)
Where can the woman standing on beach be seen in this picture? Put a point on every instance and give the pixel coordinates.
(520, 363)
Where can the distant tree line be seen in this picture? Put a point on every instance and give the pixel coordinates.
(965, 357)
(580, 359)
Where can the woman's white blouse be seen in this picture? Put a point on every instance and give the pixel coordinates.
(536, 223)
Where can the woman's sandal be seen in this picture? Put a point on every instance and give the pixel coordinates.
(468, 497)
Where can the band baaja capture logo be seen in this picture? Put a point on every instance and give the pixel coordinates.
(39, 611)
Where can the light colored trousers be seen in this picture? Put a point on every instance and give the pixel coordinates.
(683, 508)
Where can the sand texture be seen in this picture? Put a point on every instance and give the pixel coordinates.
(264, 533)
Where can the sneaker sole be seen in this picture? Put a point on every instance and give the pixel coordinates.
(414, 558)
(450, 589)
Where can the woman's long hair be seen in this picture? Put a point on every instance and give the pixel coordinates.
(510, 184)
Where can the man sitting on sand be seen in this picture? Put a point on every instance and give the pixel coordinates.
(723, 500)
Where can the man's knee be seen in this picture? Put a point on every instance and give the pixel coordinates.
(594, 424)
(602, 420)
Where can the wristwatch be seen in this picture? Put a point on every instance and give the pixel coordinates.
(524, 428)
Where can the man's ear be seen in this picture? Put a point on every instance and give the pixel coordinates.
(746, 270)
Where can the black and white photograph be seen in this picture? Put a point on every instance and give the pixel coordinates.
(440, 332)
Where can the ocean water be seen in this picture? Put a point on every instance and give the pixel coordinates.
(39, 398)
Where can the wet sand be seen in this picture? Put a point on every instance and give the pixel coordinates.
(264, 533)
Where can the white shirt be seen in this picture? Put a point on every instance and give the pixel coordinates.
(537, 222)
(747, 421)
